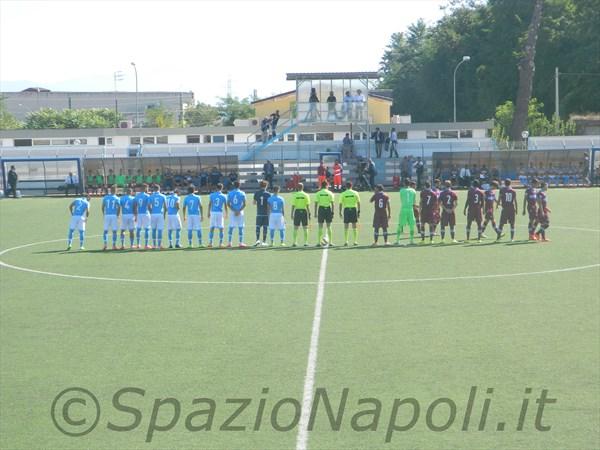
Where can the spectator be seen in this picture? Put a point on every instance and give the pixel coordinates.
(215, 177)
(379, 139)
(371, 172)
(269, 172)
(332, 107)
(313, 107)
(465, 176)
(347, 147)
(359, 104)
(274, 120)
(203, 178)
(264, 129)
(453, 175)
(404, 168)
(347, 109)
(321, 174)
(13, 179)
(411, 165)
(495, 173)
(484, 175)
(71, 182)
(420, 170)
(474, 174)
(337, 175)
(362, 182)
(393, 143)
(386, 143)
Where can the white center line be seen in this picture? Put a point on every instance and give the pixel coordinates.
(311, 366)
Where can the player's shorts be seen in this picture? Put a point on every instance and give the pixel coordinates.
(543, 219)
(428, 216)
(262, 220)
(216, 220)
(489, 214)
(193, 222)
(77, 223)
(143, 221)
(300, 218)
(236, 221)
(474, 215)
(350, 215)
(324, 214)
(448, 219)
(407, 217)
(127, 222)
(111, 222)
(157, 222)
(507, 216)
(380, 220)
(173, 222)
(276, 221)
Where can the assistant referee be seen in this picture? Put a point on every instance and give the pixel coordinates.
(324, 203)
(300, 213)
(350, 204)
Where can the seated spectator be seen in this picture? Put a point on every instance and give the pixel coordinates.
(347, 147)
(215, 177)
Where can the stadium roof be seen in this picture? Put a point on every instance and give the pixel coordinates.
(332, 76)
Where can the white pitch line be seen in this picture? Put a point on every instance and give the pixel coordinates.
(311, 366)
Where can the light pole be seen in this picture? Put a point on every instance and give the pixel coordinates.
(464, 58)
(137, 113)
(117, 76)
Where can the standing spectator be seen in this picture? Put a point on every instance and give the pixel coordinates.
(337, 175)
(411, 165)
(13, 178)
(264, 129)
(269, 173)
(454, 175)
(386, 143)
(347, 147)
(347, 111)
(313, 107)
(71, 182)
(393, 143)
(484, 175)
(420, 170)
(379, 139)
(359, 104)
(321, 174)
(274, 119)
(465, 176)
(372, 172)
(332, 107)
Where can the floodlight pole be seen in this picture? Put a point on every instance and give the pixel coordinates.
(464, 59)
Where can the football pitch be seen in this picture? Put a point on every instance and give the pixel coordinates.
(469, 345)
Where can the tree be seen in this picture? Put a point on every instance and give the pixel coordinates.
(72, 118)
(526, 72)
(7, 120)
(232, 108)
(201, 115)
(160, 117)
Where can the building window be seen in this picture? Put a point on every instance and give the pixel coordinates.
(149, 140)
(306, 137)
(207, 139)
(105, 141)
(290, 137)
(432, 134)
(193, 138)
(41, 142)
(449, 134)
(324, 136)
(218, 139)
(134, 140)
(230, 138)
(466, 133)
(78, 141)
(23, 142)
(162, 139)
(402, 134)
(60, 142)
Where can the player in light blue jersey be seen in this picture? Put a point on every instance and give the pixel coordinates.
(192, 206)
(236, 201)
(143, 215)
(173, 219)
(217, 213)
(128, 217)
(110, 209)
(276, 216)
(80, 211)
(157, 203)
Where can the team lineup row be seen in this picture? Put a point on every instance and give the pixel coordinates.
(145, 215)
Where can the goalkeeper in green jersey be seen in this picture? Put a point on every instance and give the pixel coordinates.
(407, 215)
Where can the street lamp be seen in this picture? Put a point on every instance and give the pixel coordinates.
(464, 58)
(117, 76)
(137, 113)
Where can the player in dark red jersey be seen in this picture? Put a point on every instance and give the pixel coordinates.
(508, 200)
(474, 205)
(448, 201)
(531, 203)
(382, 214)
(490, 204)
(416, 210)
(430, 211)
(543, 215)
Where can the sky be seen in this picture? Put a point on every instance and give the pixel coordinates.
(199, 46)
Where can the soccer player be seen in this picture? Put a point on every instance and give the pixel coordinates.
(217, 213)
(508, 200)
(128, 217)
(236, 201)
(173, 219)
(490, 203)
(381, 215)
(416, 209)
(448, 201)
(300, 213)
(261, 198)
(350, 204)
(324, 205)
(474, 204)
(407, 215)
(110, 210)
(543, 217)
(80, 211)
(157, 203)
(143, 215)
(531, 203)
(276, 216)
(192, 206)
(430, 210)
